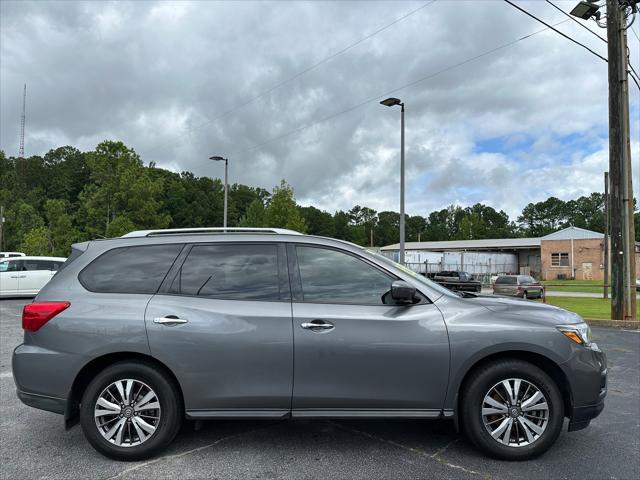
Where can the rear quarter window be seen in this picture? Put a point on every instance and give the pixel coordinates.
(137, 269)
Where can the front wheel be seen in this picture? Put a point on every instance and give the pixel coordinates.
(130, 411)
(512, 410)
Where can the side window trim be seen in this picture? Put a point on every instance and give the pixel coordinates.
(283, 279)
(296, 280)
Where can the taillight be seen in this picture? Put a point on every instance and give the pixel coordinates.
(36, 314)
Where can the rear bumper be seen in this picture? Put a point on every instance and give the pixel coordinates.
(43, 402)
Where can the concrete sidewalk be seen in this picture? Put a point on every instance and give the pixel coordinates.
(556, 293)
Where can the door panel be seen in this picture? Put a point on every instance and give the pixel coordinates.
(231, 354)
(9, 283)
(375, 357)
(31, 281)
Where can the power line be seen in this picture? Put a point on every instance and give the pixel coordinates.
(304, 71)
(555, 30)
(388, 93)
(576, 21)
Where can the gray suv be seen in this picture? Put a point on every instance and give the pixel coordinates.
(135, 334)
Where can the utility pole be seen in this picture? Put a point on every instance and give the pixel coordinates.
(606, 235)
(623, 296)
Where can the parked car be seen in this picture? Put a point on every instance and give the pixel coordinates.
(637, 284)
(458, 281)
(524, 286)
(135, 334)
(25, 276)
(11, 254)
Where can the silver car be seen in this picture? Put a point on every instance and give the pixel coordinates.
(135, 334)
(523, 286)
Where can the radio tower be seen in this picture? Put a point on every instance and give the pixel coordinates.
(22, 119)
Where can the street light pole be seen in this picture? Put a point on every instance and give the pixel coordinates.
(390, 102)
(402, 184)
(226, 184)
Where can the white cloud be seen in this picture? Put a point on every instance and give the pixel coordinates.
(176, 81)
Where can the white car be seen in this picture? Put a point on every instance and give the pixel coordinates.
(25, 276)
(11, 254)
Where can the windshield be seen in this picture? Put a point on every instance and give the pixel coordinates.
(420, 278)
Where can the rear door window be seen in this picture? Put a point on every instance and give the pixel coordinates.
(138, 269)
(232, 272)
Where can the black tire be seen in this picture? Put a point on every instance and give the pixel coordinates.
(171, 408)
(481, 383)
(525, 295)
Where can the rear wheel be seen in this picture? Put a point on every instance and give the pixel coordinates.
(525, 295)
(130, 411)
(512, 410)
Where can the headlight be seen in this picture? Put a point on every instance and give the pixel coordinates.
(579, 333)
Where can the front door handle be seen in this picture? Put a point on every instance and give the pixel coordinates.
(317, 325)
(170, 320)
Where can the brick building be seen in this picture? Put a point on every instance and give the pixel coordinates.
(568, 253)
(575, 253)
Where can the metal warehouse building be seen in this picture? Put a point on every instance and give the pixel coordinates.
(569, 253)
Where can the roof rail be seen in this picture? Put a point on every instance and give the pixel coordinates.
(207, 230)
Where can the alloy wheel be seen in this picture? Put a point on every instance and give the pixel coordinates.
(127, 413)
(515, 412)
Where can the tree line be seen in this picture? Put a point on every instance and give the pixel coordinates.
(67, 196)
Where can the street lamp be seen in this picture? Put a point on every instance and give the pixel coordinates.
(585, 10)
(226, 184)
(391, 102)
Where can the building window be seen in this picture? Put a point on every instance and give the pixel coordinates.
(559, 259)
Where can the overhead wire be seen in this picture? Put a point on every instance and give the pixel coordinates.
(382, 95)
(555, 30)
(576, 21)
(302, 72)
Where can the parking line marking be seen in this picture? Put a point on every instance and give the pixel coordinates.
(182, 454)
(436, 456)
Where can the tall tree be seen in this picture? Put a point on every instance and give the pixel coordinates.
(282, 211)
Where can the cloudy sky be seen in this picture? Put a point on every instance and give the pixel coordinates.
(291, 90)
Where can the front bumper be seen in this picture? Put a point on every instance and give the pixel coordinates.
(589, 387)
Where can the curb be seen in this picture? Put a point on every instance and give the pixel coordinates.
(631, 324)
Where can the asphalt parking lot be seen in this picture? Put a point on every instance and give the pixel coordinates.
(34, 444)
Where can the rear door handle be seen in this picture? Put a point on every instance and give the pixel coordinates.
(317, 325)
(170, 320)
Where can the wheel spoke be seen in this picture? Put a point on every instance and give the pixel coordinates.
(142, 436)
(530, 425)
(110, 408)
(495, 404)
(537, 406)
(526, 429)
(120, 388)
(147, 398)
(114, 429)
(532, 400)
(144, 425)
(148, 406)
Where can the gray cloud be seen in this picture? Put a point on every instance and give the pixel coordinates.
(160, 76)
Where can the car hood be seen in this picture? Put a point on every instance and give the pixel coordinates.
(533, 311)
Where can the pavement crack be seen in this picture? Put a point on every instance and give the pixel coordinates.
(183, 454)
(436, 456)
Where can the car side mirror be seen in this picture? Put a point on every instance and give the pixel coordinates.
(402, 292)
